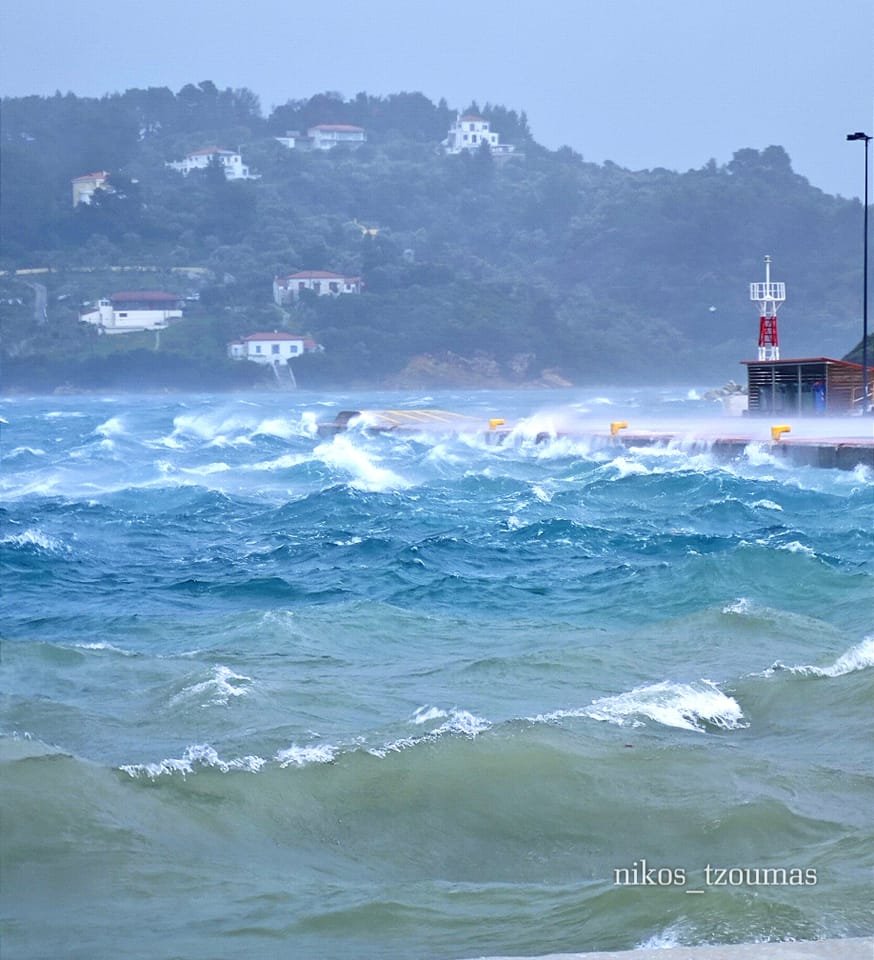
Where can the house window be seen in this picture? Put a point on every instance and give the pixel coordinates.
(301, 285)
(334, 286)
(317, 286)
(473, 138)
(257, 348)
(293, 349)
(274, 348)
(122, 315)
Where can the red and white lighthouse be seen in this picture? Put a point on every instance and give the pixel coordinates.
(768, 296)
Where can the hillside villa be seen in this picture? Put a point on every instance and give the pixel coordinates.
(276, 348)
(231, 163)
(470, 132)
(135, 311)
(87, 185)
(325, 136)
(321, 282)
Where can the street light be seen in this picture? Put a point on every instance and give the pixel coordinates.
(859, 135)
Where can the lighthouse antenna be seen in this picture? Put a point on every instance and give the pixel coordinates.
(769, 296)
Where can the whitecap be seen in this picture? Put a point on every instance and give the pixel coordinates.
(860, 657)
(666, 939)
(103, 645)
(796, 547)
(766, 505)
(341, 454)
(113, 427)
(196, 755)
(280, 463)
(425, 714)
(301, 756)
(35, 538)
(221, 686)
(685, 706)
(31, 451)
(629, 468)
(741, 607)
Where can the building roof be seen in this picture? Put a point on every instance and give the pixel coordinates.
(155, 295)
(340, 127)
(316, 275)
(208, 151)
(97, 175)
(782, 362)
(276, 335)
(473, 116)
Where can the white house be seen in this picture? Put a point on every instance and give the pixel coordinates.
(276, 348)
(470, 132)
(322, 282)
(232, 163)
(133, 311)
(87, 185)
(325, 136)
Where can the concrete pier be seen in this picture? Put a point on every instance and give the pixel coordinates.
(802, 443)
(852, 949)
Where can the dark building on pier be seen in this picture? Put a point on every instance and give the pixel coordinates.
(816, 386)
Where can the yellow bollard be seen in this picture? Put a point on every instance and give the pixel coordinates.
(616, 426)
(496, 422)
(778, 431)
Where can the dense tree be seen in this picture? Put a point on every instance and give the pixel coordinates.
(538, 261)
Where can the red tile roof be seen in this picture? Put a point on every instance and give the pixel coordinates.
(340, 127)
(276, 335)
(97, 175)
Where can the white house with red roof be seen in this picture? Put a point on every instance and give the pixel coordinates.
(470, 132)
(277, 348)
(323, 283)
(325, 136)
(87, 185)
(231, 163)
(134, 311)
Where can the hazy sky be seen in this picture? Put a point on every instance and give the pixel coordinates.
(639, 82)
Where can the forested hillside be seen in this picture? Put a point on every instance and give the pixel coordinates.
(540, 262)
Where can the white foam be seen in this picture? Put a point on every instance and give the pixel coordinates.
(113, 427)
(221, 686)
(741, 607)
(629, 468)
(860, 657)
(283, 462)
(33, 451)
(296, 756)
(341, 454)
(766, 505)
(426, 714)
(196, 755)
(796, 547)
(35, 538)
(685, 706)
(102, 645)
(666, 939)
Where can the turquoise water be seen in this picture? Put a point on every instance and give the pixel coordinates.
(424, 696)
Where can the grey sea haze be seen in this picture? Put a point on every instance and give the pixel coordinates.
(425, 695)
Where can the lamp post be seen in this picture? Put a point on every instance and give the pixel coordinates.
(859, 135)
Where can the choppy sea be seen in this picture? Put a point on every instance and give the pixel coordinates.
(424, 696)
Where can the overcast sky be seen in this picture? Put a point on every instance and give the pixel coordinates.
(639, 82)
